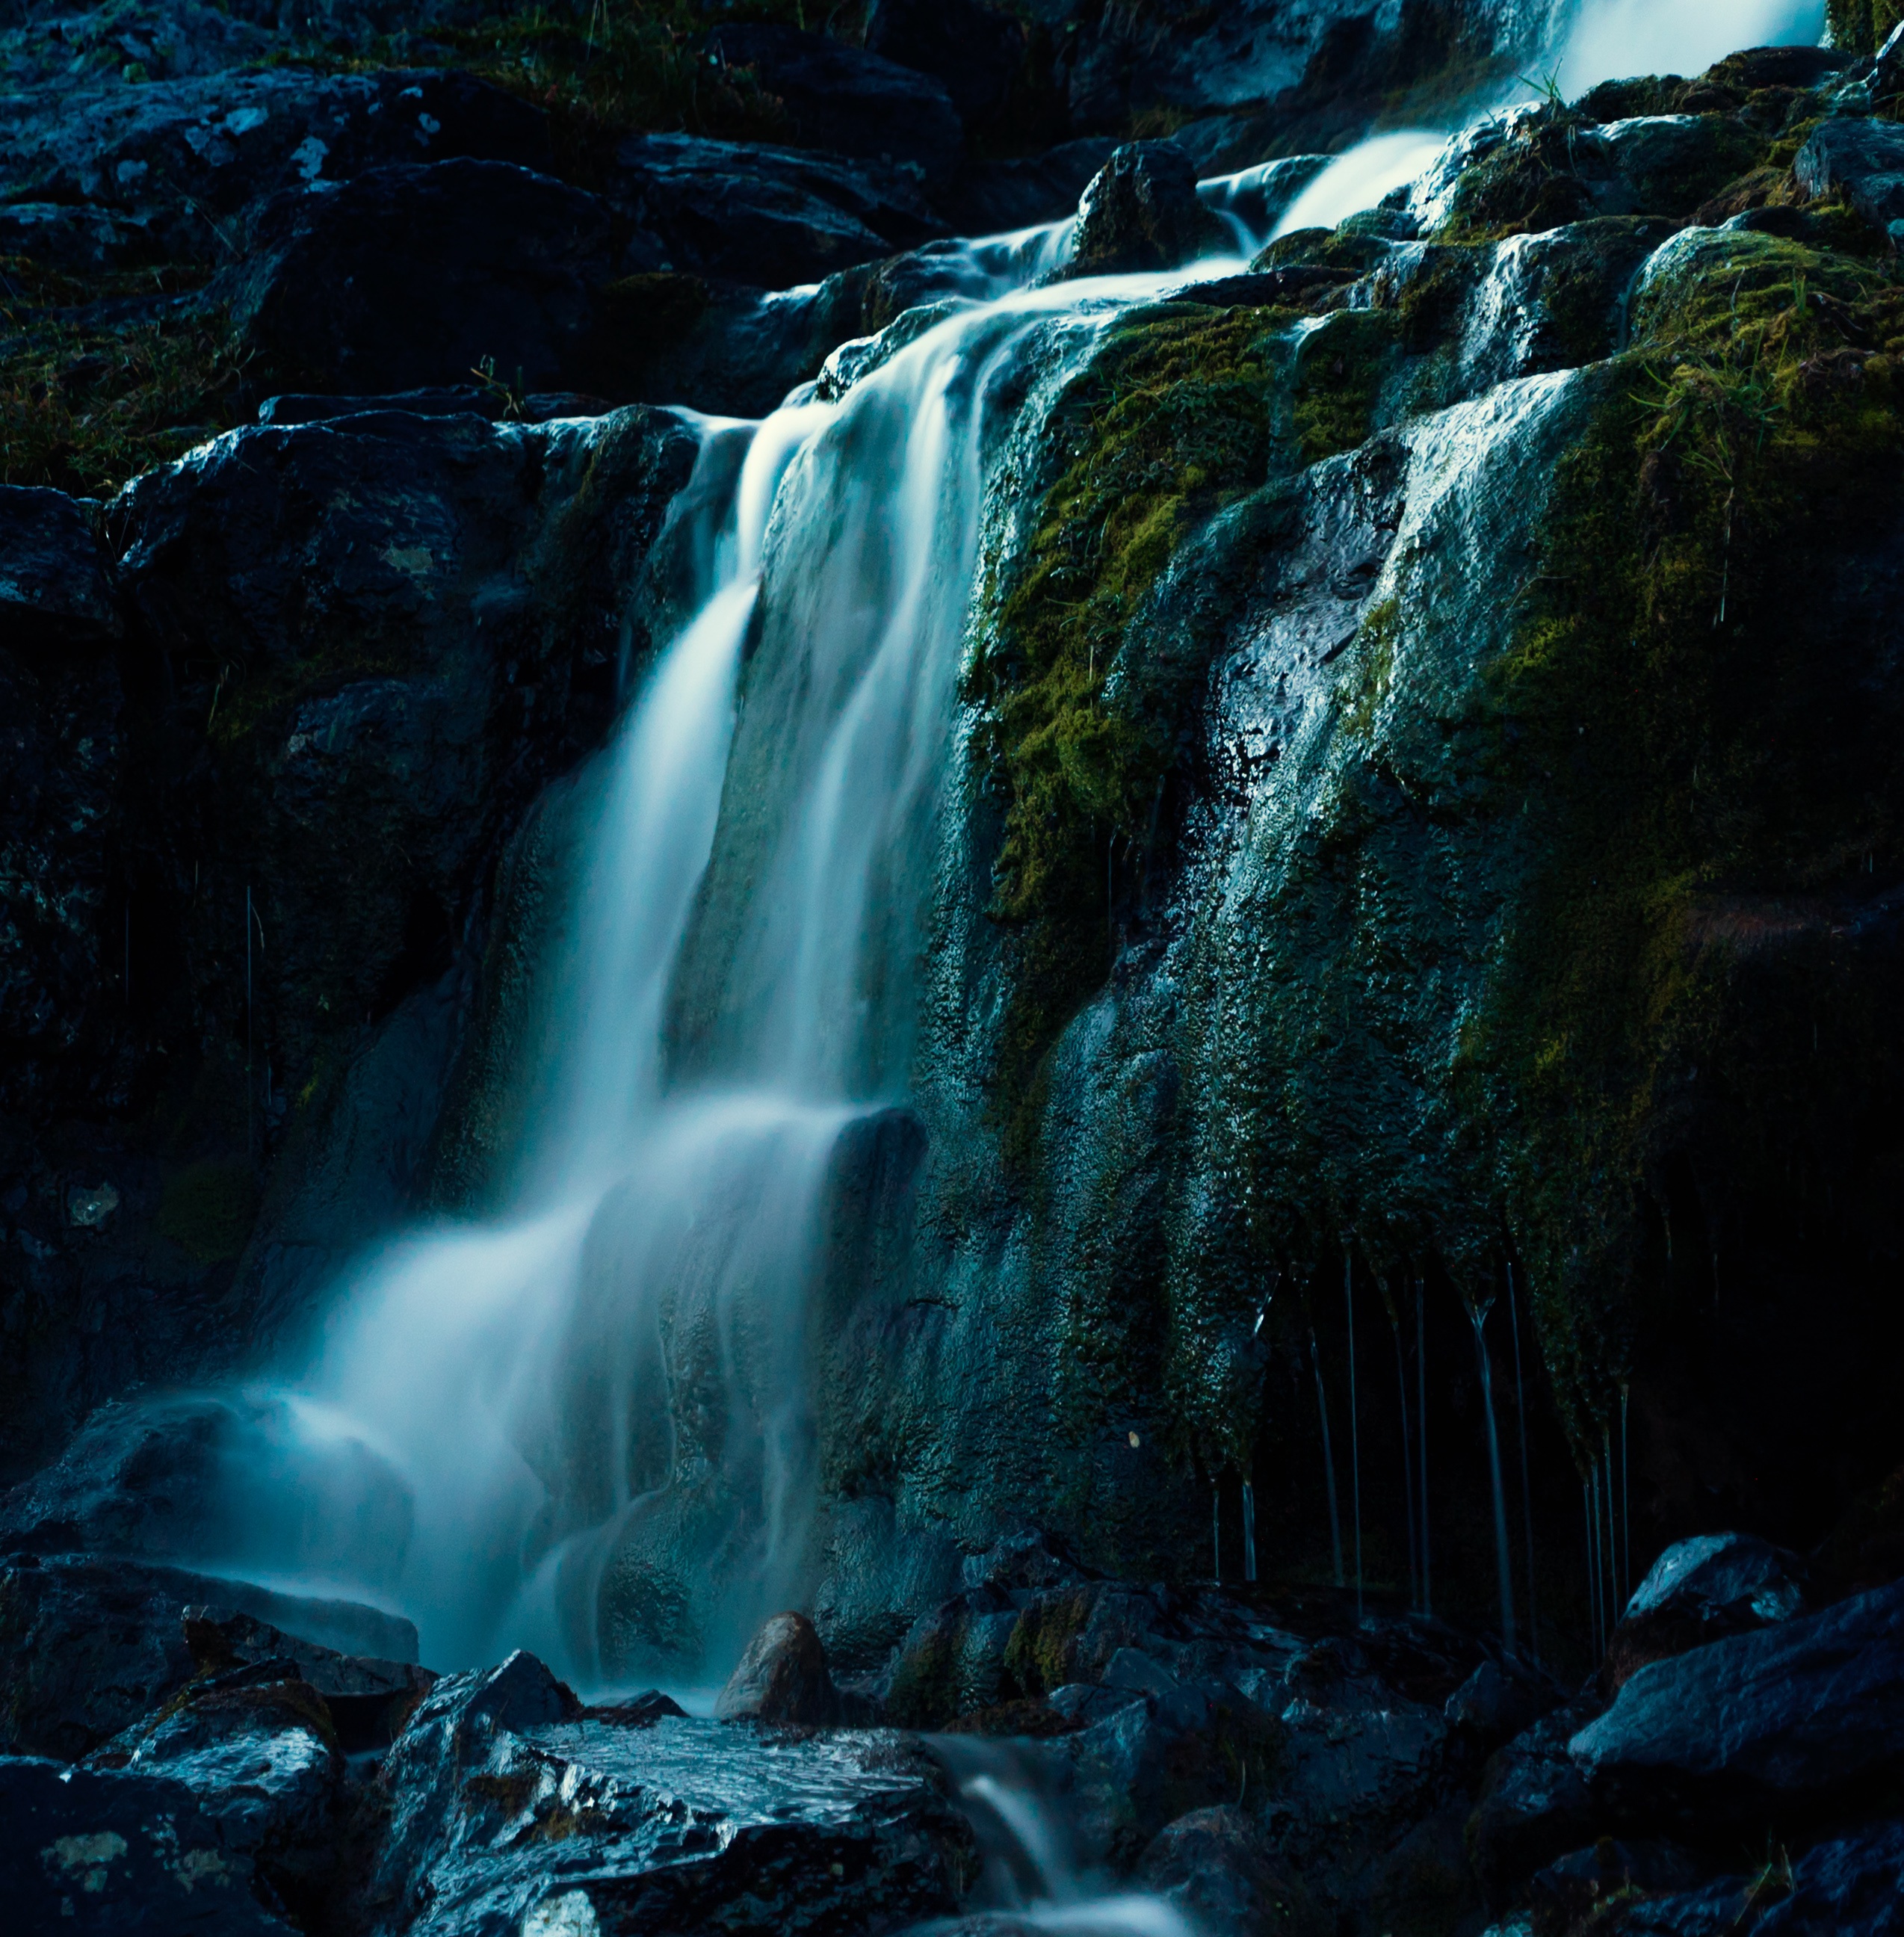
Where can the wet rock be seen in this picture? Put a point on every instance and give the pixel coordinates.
(1700, 1590)
(841, 97)
(1860, 159)
(173, 165)
(1221, 1873)
(256, 1747)
(110, 1851)
(1849, 1885)
(781, 1678)
(415, 275)
(1426, 1884)
(1567, 1894)
(1762, 1728)
(1141, 213)
(502, 1800)
(976, 51)
(1534, 1806)
(88, 1646)
(767, 216)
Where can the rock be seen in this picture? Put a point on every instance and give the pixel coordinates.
(1141, 213)
(110, 1851)
(767, 216)
(502, 1800)
(989, 197)
(53, 590)
(1761, 1729)
(88, 1646)
(1426, 1883)
(1495, 1703)
(1700, 1590)
(781, 1678)
(1860, 159)
(840, 98)
(1566, 1895)
(975, 50)
(1221, 1873)
(257, 1748)
(1850, 1885)
(173, 166)
(1534, 1806)
(415, 275)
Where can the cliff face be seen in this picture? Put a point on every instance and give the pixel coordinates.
(1423, 802)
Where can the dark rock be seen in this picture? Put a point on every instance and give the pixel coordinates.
(53, 590)
(258, 1749)
(502, 1798)
(767, 216)
(1141, 213)
(1426, 1884)
(636, 1711)
(1565, 1896)
(781, 1678)
(1851, 1886)
(840, 98)
(1700, 1590)
(173, 165)
(974, 50)
(1534, 1806)
(1264, 289)
(409, 276)
(442, 400)
(1219, 1869)
(1496, 1702)
(88, 1646)
(1860, 159)
(1762, 1728)
(991, 198)
(113, 1851)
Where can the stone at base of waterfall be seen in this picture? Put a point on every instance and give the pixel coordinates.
(782, 1677)
(1702, 1590)
(1497, 1702)
(512, 1808)
(1142, 213)
(1217, 1868)
(1758, 1731)
(1534, 1806)
(110, 1851)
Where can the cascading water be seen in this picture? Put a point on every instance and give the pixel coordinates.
(1478, 1313)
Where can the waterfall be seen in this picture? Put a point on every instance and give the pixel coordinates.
(1611, 39)
(1421, 1411)
(1249, 1534)
(1408, 1460)
(1478, 1313)
(1527, 1482)
(1355, 1441)
(1328, 1460)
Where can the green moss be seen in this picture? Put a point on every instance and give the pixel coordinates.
(1174, 418)
(1862, 26)
(1338, 375)
(207, 1207)
(1041, 1654)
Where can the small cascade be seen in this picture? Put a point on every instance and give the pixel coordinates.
(1407, 1456)
(1328, 1460)
(1526, 1483)
(1249, 1534)
(1478, 1313)
(1617, 1587)
(1592, 1487)
(1355, 1439)
(1625, 1498)
(1421, 1414)
(1014, 1793)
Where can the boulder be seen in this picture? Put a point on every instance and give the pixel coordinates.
(1534, 1806)
(1699, 1590)
(1860, 159)
(1763, 1729)
(509, 1808)
(1498, 1702)
(1141, 213)
(771, 217)
(781, 1678)
(172, 167)
(88, 1646)
(256, 1746)
(418, 274)
(840, 98)
(976, 51)
(1221, 1873)
(1849, 1885)
(1564, 1896)
(1426, 1882)
(993, 198)
(54, 593)
(110, 1851)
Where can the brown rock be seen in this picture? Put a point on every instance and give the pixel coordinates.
(782, 1677)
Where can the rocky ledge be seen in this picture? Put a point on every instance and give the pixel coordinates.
(1255, 1764)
